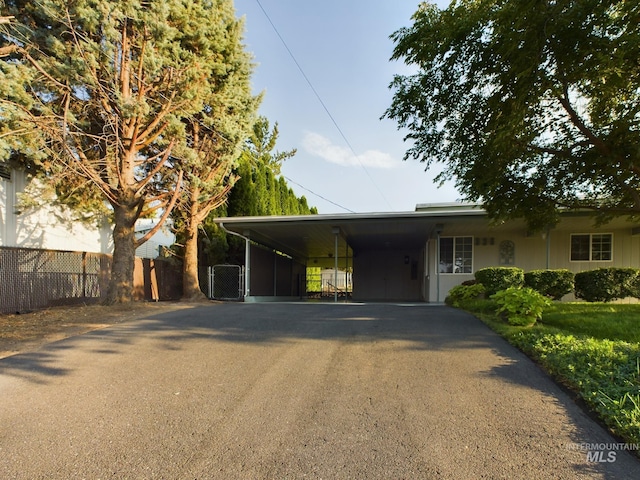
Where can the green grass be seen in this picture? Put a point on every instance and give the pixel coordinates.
(598, 320)
(592, 348)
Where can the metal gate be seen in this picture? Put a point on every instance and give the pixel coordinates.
(226, 282)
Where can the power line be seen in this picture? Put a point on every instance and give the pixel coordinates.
(324, 106)
(317, 195)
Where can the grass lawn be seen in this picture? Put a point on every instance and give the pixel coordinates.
(593, 348)
(598, 320)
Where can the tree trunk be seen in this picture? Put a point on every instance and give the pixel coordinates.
(190, 282)
(124, 254)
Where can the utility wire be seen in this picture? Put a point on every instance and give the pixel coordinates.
(324, 106)
(317, 195)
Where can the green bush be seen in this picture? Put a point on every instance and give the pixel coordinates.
(520, 306)
(607, 284)
(550, 283)
(461, 295)
(495, 279)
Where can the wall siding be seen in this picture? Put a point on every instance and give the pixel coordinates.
(531, 249)
(384, 275)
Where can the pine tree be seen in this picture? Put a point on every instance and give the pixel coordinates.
(115, 87)
(214, 139)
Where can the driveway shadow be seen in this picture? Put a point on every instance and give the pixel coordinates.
(415, 328)
(419, 326)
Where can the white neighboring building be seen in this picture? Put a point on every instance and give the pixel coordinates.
(53, 228)
(162, 238)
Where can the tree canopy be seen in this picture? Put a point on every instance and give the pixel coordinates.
(215, 137)
(531, 105)
(113, 86)
(259, 190)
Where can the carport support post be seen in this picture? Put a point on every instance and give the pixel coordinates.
(336, 232)
(247, 263)
(439, 228)
(437, 267)
(346, 273)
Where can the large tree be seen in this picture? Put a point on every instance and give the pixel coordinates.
(14, 145)
(215, 137)
(531, 105)
(112, 84)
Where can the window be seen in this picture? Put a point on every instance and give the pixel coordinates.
(5, 172)
(456, 255)
(592, 247)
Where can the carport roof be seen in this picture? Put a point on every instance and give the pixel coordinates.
(311, 238)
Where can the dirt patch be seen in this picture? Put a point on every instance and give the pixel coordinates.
(25, 332)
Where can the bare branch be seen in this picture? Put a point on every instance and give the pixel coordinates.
(8, 50)
(167, 152)
(11, 133)
(165, 214)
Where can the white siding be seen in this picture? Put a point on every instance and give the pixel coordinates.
(530, 250)
(49, 227)
(8, 216)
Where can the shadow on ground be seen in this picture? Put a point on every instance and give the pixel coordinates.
(418, 327)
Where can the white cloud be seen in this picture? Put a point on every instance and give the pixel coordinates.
(322, 147)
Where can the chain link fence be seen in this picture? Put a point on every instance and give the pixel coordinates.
(226, 282)
(32, 279)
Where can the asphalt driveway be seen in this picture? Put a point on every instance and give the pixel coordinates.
(265, 391)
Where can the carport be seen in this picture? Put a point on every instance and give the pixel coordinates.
(388, 252)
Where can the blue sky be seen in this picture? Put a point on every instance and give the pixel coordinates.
(343, 47)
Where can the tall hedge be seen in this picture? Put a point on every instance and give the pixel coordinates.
(496, 279)
(607, 284)
(550, 283)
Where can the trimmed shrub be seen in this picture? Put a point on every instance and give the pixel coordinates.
(495, 279)
(463, 294)
(550, 283)
(607, 284)
(520, 306)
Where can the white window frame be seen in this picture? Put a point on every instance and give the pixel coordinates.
(591, 235)
(454, 255)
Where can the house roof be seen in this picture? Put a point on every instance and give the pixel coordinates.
(311, 238)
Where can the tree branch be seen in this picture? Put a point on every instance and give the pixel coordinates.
(8, 50)
(144, 182)
(165, 214)
(580, 124)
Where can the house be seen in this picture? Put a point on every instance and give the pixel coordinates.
(419, 256)
(47, 257)
(49, 227)
(53, 227)
(163, 238)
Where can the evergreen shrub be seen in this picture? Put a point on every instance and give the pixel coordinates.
(550, 283)
(495, 279)
(463, 294)
(607, 284)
